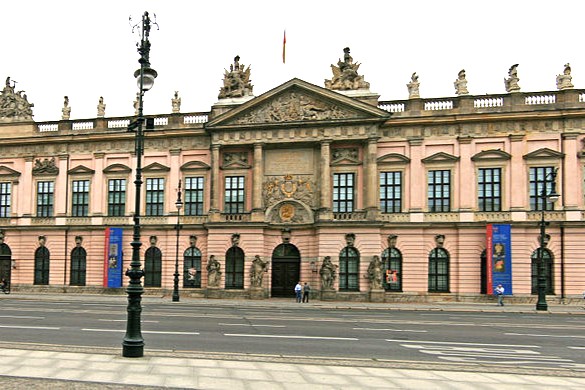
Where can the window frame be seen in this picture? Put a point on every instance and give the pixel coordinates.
(154, 198)
(484, 186)
(349, 269)
(80, 198)
(45, 208)
(199, 194)
(349, 193)
(239, 205)
(436, 278)
(117, 206)
(535, 186)
(439, 196)
(395, 201)
(5, 199)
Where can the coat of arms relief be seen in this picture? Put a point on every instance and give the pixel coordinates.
(289, 199)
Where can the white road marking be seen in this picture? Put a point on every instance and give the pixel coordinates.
(394, 330)
(144, 331)
(289, 337)
(576, 347)
(26, 317)
(254, 325)
(544, 335)
(30, 327)
(457, 343)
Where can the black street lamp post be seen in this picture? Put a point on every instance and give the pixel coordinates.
(133, 344)
(179, 205)
(553, 196)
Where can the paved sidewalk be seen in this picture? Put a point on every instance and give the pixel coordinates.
(76, 370)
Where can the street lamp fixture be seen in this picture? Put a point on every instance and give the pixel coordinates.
(552, 197)
(133, 343)
(179, 205)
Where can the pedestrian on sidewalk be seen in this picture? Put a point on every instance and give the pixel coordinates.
(298, 292)
(500, 293)
(306, 292)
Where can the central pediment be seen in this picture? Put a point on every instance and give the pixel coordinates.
(300, 103)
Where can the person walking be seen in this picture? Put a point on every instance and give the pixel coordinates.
(500, 293)
(298, 291)
(306, 292)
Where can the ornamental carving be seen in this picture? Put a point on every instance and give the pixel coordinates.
(289, 212)
(294, 107)
(239, 159)
(236, 82)
(14, 106)
(45, 167)
(277, 189)
(345, 75)
(347, 154)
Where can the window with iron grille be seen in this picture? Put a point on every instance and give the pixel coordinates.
(343, 189)
(80, 198)
(78, 267)
(234, 195)
(116, 197)
(548, 270)
(392, 263)
(489, 186)
(152, 267)
(439, 191)
(193, 196)
(5, 192)
(349, 266)
(540, 179)
(234, 268)
(155, 197)
(439, 270)
(192, 268)
(391, 192)
(42, 265)
(45, 198)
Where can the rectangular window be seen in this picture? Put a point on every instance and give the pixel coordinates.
(343, 189)
(489, 186)
(234, 195)
(439, 191)
(390, 192)
(155, 197)
(116, 197)
(45, 198)
(5, 192)
(80, 198)
(541, 179)
(194, 196)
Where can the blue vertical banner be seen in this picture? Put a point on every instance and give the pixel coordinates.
(500, 257)
(113, 258)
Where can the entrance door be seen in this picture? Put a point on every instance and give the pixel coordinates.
(5, 262)
(286, 270)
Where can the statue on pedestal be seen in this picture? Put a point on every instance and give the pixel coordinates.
(101, 108)
(328, 274)
(461, 83)
(345, 75)
(511, 83)
(413, 85)
(259, 266)
(375, 273)
(66, 109)
(564, 80)
(176, 103)
(213, 272)
(14, 105)
(236, 82)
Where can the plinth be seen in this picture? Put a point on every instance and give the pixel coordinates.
(377, 295)
(328, 295)
(258, 293)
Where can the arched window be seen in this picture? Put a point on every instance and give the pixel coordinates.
(234, 268)
(548, 271)
(392, 263)
(78, 266)
(349, 267)
(192, 268)
(42, 260)
(439, 270)
(152, 267)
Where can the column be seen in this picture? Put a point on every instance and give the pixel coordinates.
(214, 182)
(371, 180)
(258, 176)
(325, 209)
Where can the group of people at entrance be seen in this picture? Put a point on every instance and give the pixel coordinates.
(302, 292)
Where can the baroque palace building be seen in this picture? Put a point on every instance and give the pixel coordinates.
(365, 200)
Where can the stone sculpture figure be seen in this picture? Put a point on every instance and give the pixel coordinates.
(413, 87)
(375, 273)
(236, 82)
(328, 274)
(259, 266)
(461, 83)
(14, 106)
(345, 75)
(136, 103)
(66, 109)
(176, 103)
(564, 80)
(511, 83)
(101, 108)
(213, 272)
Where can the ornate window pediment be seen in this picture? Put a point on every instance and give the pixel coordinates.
(491, 155)
(117, 168)
(235, 160)
(393, 159)
(194, 166)
(81, 170)
(544, 154)
(7, 173)
(155, 167)
(440, 157)
(345, 156)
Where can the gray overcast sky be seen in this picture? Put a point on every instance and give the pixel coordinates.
(86, 49)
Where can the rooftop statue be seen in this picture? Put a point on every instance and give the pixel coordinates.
(176, 103)
(101, 108)
(66, 109)
(14, 106)
(345, 75)
(511, 82)
(413, 92)
(236, 82)
(564, 80)
(461, 83)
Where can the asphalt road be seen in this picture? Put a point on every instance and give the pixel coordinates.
(498, 339)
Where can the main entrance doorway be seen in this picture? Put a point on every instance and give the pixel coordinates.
(5, 263)
(286, 270)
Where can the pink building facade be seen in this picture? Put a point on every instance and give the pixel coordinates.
(312, 180)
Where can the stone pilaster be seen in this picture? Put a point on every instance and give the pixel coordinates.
(371, 185)
(258, 176)
(214, 184)
(417, 176)
(325, 209)
(98, 186)
(61, 186)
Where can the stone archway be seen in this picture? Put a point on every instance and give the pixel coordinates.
(286, 270)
